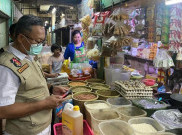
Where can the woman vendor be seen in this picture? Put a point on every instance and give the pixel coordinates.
(75, 50)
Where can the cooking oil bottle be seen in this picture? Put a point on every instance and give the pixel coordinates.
(72, 120)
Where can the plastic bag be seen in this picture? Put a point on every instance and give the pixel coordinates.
(90, 3)
(94, 54)
(60, 108)
(179, 59)
(163, 60)
(65, 67)
(168, 118)
(77, 27)
(107, 50)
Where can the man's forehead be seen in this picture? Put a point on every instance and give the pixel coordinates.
(38, 28)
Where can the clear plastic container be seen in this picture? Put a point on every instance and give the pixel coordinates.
(116, 74)
(115, 127)
(125, 75)
(108, 75)
(118, 102)
(89, 109)
(129, 112)
(149, 121)
(98, 116)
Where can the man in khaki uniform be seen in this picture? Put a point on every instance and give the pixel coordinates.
(25, 100)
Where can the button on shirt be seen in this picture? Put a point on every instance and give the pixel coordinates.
(10, 83)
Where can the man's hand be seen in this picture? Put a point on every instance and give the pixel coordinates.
(53, 101)
(58, 90)
(54, 75)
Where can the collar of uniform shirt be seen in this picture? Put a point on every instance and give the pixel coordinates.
(19, 54)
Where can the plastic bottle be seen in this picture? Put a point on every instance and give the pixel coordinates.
(72, 120)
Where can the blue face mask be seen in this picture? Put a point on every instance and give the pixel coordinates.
(35, 49)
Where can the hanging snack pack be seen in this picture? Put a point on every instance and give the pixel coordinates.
(99, 20)
(179, 59)
(165, 26)
(151, 23)
(163, 60)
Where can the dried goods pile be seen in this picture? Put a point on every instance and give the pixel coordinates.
(85, 96)
(133, 89)
(73, 84)
(98, 106)
(144, 128)
(80, 88)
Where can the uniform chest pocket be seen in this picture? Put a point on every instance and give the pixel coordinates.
(32, 80)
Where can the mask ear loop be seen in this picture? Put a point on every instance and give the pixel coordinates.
(25, 48)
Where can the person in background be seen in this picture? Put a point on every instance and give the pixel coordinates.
(12, 32)
(25, 100)
(56, 60)
(75, 50)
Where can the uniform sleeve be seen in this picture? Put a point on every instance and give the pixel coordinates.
(69, 52)
(9, 83)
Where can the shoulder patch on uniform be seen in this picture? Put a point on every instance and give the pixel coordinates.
(25, 66)
(16, 62)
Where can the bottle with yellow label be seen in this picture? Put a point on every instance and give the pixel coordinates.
(72, 120)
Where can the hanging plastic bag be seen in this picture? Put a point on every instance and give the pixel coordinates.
(65, 67)
(163, 60)
(179, 59)
(90, 3)
(94, 54)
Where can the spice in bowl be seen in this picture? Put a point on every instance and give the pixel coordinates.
(85, 96)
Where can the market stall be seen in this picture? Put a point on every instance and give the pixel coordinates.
(138, 75)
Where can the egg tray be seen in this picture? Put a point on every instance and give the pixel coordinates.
(135, 94)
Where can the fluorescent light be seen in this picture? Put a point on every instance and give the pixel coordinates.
(54, 10)
(170, 2)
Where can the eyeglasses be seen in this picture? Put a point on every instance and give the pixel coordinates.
(42, 42)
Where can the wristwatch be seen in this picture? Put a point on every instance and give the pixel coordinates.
(51, 89)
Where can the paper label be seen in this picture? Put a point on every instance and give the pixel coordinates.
(68, 124)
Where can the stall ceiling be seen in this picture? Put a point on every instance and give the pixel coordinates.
(50, 2)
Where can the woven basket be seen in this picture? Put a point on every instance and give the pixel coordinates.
(77, 89)
(95, 86)
(69, 83)
(90, 81)
(80, 103)
(105, 94)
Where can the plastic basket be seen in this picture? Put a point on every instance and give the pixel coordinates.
(149, 111)
(102, 115)
(80, 103)
(117, 127)
(83, 78)
(149, 121)
(88, 110)
(118, 102)
(128, 112)
(86, 129)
